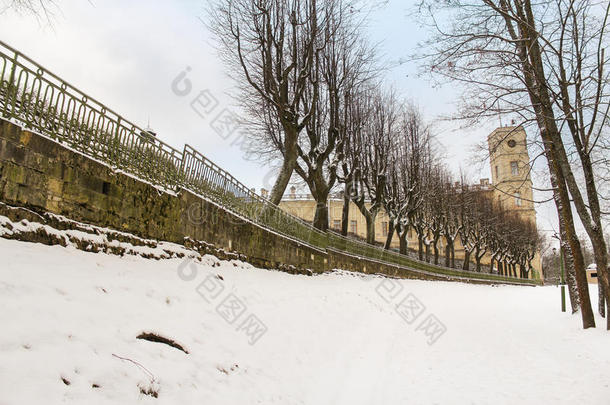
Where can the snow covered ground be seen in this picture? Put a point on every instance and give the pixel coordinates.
(69, 322)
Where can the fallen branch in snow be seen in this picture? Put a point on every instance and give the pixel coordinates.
(153, 337)
(151, 375)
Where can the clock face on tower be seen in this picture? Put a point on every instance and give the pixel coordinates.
(512, 143)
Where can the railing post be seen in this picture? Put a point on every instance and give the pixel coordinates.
(11, 90)
(181, 171)
(116, 140)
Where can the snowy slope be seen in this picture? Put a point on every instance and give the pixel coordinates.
(330, 339)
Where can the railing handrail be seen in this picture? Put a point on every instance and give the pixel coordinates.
(173, 161)
(19, 54)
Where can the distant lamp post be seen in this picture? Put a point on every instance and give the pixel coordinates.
(562, 281)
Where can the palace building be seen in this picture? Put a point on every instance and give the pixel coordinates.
(511, 186)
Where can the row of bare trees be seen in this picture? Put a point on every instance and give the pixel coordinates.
(544, 62)
(442, 212)
(310, 84)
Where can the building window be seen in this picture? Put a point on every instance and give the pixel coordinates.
(384, 228)
(409, 234)
(512, 143)
(353, 226)
(593, 275)
(514, 168)
(518, 201)
(497, 172)
(337, 224)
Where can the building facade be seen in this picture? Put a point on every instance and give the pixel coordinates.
(511, 186)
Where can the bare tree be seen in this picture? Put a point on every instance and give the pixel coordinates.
(271, 48)
(349, 150)
(375, 143)
(544, 63)
(450, 221)
(410, 158)
(343, 66)
(440, 211)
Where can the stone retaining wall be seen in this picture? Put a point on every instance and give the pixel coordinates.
(44, 176)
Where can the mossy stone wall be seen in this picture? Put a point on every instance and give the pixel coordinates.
(42, 175)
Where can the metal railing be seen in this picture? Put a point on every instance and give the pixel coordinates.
(42, 101)
(363, 249)
(46, 103)
(204, 177)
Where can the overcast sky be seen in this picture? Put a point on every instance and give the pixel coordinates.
(126, 54)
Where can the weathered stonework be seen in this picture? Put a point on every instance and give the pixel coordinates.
(41, 175)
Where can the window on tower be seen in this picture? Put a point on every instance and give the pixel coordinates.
(514, 168)
(384, 228)
(497, 171)
(518, 201)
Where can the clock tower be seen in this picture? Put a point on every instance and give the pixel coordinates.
(510, 171)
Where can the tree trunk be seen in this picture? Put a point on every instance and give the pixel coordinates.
(601, 260)
(602, 298)
(452, 254)
(388, 240)
(420, 248)
(283, 178)
(370, 227)
(369, 215)
(447, 255)
(345, 212)
(436, 253)
(568, 263)
(466, 265)
(562, 201)
(320, 219)
(404, 244)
